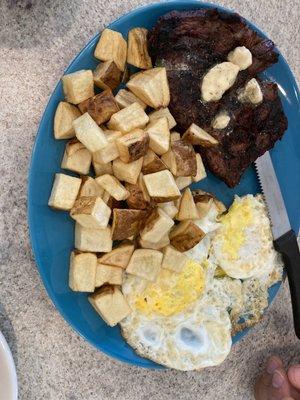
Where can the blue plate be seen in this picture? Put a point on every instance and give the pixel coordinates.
(51, 232)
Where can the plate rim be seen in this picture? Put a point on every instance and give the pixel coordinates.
(33, 239)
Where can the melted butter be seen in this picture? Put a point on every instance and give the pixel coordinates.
(172, 293)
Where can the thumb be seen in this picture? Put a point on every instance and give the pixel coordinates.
(294, 376)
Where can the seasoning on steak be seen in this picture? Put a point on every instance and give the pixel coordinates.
(188, 44)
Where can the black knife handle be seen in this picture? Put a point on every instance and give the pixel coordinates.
(287, 245)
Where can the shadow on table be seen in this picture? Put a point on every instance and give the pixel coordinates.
(30, 23)
(7, 329)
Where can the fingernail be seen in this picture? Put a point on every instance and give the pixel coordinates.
(272, 365)
(277, 380)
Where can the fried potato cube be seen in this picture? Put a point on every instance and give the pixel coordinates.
(94, 240)
(161, 186)
(133, 145)
(91, 212)
(163, 112)
(82, 272)
(169, 208)
(119, 256)
(107, 75)
(128, 172)
(159, 134)
(101, 169)
(100, 107)
(110, 152)
(173, 259)
(127, 223)
(187, 208)
(111, 185)
(129, 118)
(198, 136)
(152, 163)
(201, 173)
(89, 133)
(183, 181)
(181, 159)
(163, 242)
(110, 304)
(64, 192)
(201, 196)
(136, 198)
(108, 274)
(175, 136)
(169, 160)
(76, 157)
(124, 98)
(185, 236)
(78, 86)
(112, 46)
(157, 225)
(65, 114)
(204, 207)
(89, 188)
(142, 185)
(137, 53)
(151, 87)
(145, 263)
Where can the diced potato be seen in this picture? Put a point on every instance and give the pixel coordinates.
(129, 118)
(91, 212)
(185, 236)
(64, 192)
(89, 188)
(112, 46)
(173, 260)
(124, 98)
(76, 157)
(137, 53)
(101, 169)
(145, 263)
(163, 242)
(100, 107)
(159, 134)
(163, 112)
(201, 173)
(78, 86)
(82, 272)
(110, 304)
(110, 152)
(187, 208)
(119, 256)
(169, 208)
(128, 172)
(94, 240)
(106, 196)
(169, 160)
(107, 75)
(142, 185)
(175, 136)
(63, 120)
(204, 207)
(108, 274)
(198, 136)
(202, 196)
(157, 225)
(151, 87)
(89, 133)
(111, 185)
(185, 158)
(127, 223)
(161, 186)
(133, 145)
(136, 199)
(152, 163)
(183, 181)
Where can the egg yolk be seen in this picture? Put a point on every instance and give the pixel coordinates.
(234, 223)
(172, 293)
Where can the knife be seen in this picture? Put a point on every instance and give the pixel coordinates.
(285, 241)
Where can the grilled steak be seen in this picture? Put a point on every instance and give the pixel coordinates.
(188, 44)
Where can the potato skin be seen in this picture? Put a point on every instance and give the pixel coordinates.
(127, 223)
(185, 158)
(100, 107)
(136, 198)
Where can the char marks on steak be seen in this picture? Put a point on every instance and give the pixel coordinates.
(188, 44)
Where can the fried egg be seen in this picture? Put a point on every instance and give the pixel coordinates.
(243, 244)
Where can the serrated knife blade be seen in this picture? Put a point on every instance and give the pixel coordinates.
(272, 194)
(285, 240)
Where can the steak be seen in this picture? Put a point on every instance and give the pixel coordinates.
(188, 44)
